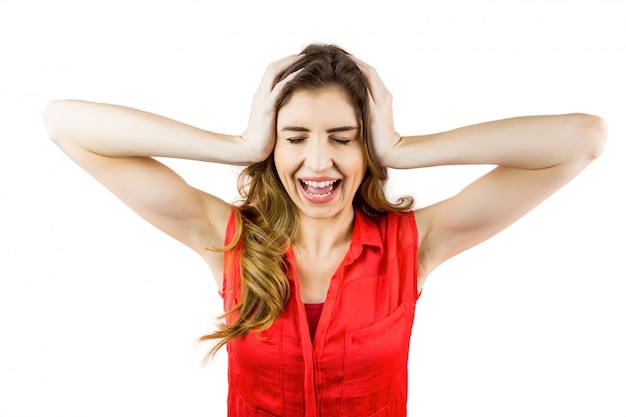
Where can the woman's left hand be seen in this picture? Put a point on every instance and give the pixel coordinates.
(383, 136)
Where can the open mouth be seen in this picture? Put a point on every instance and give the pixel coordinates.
(319, 189)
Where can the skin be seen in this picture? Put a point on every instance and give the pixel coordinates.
(533, 157)
(319, 139)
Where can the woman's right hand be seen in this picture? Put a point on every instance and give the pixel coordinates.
(260, 135)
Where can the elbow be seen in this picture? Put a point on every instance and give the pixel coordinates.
(591, 132)
(53, 119)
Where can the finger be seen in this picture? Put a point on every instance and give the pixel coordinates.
(364, 68)
(375, 84)
(375, 88)
(279, 85)
(359, 62)
(289, 59)
(283, 65)
(274, 70)
(368, 70)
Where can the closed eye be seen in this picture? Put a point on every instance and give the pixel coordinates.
(295, 141)
(342, 141)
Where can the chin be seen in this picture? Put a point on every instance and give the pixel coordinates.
(323, 213)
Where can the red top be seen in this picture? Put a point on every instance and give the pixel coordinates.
(357, 364)
(313, 314)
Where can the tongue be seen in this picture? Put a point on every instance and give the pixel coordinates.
(319, 191)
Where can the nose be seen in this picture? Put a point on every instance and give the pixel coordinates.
(319, 155)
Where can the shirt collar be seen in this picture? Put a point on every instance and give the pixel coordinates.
(365, 232)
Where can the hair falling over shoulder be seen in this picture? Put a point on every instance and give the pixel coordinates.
(267, 219)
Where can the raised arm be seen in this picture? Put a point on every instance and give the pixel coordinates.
(534, 157)
(117, 144)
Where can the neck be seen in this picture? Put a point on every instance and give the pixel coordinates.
(321, 236)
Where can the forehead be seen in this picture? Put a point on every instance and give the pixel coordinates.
(330, 105)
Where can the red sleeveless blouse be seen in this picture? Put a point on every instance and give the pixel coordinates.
(357, 364)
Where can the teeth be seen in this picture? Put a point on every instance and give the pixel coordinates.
(319, 195)
(318, 184)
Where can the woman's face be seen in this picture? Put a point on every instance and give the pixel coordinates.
(319, 152)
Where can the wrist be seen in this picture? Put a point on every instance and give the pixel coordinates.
(251, 152)
(389, 157)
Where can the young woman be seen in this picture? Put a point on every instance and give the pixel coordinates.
(319, 272)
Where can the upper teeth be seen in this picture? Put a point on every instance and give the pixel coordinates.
(319, 184)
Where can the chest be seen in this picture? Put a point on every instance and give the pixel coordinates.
(360, 351)
(315, 274)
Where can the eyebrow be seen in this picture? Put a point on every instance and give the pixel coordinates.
(331, 130)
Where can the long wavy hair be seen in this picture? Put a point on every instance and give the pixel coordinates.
(267, 218)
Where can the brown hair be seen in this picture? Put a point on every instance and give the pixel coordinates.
(267, 219)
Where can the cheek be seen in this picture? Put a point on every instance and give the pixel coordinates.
(283, 167)
(354, 167)
(360, 165)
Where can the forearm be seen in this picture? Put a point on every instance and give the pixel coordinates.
(118, 131)
(532, 142)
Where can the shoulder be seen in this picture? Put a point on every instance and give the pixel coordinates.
(396, 228)
(397, 221)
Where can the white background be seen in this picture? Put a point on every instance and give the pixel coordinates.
(99, 312)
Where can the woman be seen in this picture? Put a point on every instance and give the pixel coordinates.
(319, 272)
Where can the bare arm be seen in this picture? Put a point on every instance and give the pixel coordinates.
(534, 156)
(530, 142)
(117, 144)
(118, 131)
